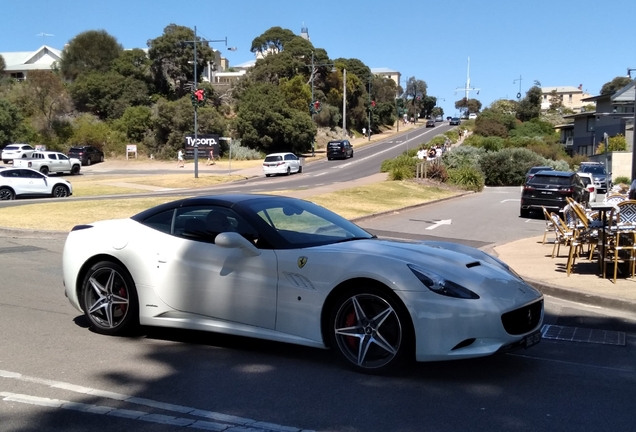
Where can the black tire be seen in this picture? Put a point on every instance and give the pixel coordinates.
(268, 175)
(88, 161)
(371, 317)
(300, 169)
(288, 171)
(44, 170)
(60, 191)
(101, 158)
(109, 299)
(352, 154)
(524, 213)
(6, 194)
(75, 169)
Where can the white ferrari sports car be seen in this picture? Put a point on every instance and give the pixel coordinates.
(288, 270)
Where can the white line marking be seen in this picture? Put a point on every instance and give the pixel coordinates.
(506, 200)
(232, 421)
(439, 223)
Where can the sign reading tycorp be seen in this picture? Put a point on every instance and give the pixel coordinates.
(204, 143)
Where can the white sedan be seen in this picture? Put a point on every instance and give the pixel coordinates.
(282, 163)
(288, 270)
(588, 181)
(27, 182)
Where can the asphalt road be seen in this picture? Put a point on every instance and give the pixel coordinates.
(55, 374)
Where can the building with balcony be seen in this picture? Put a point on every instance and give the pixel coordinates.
(570, 97)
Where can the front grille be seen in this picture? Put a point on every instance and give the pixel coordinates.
(523, 320)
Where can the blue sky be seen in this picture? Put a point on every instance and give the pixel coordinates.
(557, 42)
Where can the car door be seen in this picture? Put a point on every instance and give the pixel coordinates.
(63, 163)
(31, 182)
(293, 162)
(195, 275)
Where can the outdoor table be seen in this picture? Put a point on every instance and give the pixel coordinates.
(603, 208)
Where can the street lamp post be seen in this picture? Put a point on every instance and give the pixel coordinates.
(196, 126)
(312, 106)
(369, 125)
(629, 74)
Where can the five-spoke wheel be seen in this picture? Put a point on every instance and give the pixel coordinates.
(370, 331)
(109, 299)
(60, 191)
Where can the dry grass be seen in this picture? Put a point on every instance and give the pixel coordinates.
(350, 203)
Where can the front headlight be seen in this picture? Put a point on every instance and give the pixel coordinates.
(441, 286)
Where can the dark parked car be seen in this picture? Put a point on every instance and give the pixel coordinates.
(455, 121)
(549, 189)
(341, 149)
(430, 123)
(532, 171)
(86, 154)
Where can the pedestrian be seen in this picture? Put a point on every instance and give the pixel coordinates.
(180, 163)
(211, 158)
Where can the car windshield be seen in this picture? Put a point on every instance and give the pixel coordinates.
(304, 224)
(594, 169)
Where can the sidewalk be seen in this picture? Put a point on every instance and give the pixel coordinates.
(532, 260)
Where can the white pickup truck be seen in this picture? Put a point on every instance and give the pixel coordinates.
(49, 161)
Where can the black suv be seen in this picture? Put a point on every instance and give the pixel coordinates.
(602, 180)
(86, 154)
(532, 171)
(549, 189)
(341, 149)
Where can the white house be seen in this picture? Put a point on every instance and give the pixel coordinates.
(18, 64)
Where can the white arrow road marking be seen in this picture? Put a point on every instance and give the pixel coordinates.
(506, 200)
(438, 223)
(228, 422)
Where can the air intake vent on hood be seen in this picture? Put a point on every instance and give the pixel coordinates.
(473, 264)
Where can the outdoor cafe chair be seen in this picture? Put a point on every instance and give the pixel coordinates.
(620, 238)
(549, 224)
(564, 234)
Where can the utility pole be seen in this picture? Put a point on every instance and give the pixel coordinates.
(369, 125)
(344, 101)
(514, 81)
(467, 88)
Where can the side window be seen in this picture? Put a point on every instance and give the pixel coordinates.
(62, 157)
(204, 223)
(52, 156)
(161, 222)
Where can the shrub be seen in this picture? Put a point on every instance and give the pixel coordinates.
(463, 156)
(238, 152)
(401, 172)
(467, 177)
(492, 143)
(473, 140)
(491, 127)
(452, 135)
(622, 179)
(436, 171)
(439, 140)
(508, 167)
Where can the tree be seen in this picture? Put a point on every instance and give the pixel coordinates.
(49, 96)
(10, 121)
(90, 51)
(172, 57)
(437, 111)
(135, 122)
(416, 92)
(133, 63)
(107, 95)
(3, 65)
(615, 85)
(530, 106)
(468, 105)
(556, 100)
(265, 121)
(272, 41)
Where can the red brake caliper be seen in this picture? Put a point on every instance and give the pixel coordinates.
(350, 322)
(122, 292)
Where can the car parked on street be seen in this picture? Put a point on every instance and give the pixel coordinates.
(50, 161)
(14, 151)
(588, 181)
(602, 179)
(87, 154)
(532, 171)
(27, 182)
(340, 149)
(549, 189)
(282, 163)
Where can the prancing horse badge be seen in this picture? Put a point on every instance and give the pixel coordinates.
(302, 261)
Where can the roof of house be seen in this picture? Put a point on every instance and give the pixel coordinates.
(383, 70)
(626, 94)
(561, 89)
(42, 58)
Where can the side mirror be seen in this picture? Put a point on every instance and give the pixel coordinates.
(232, 240)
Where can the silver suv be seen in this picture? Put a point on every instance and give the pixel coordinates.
(602, 179)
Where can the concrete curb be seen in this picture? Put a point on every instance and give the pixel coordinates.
(26, 233)
(622, 305)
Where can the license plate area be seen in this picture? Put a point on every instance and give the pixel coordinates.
(531, 340)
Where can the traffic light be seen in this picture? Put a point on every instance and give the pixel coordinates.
(199, 97)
